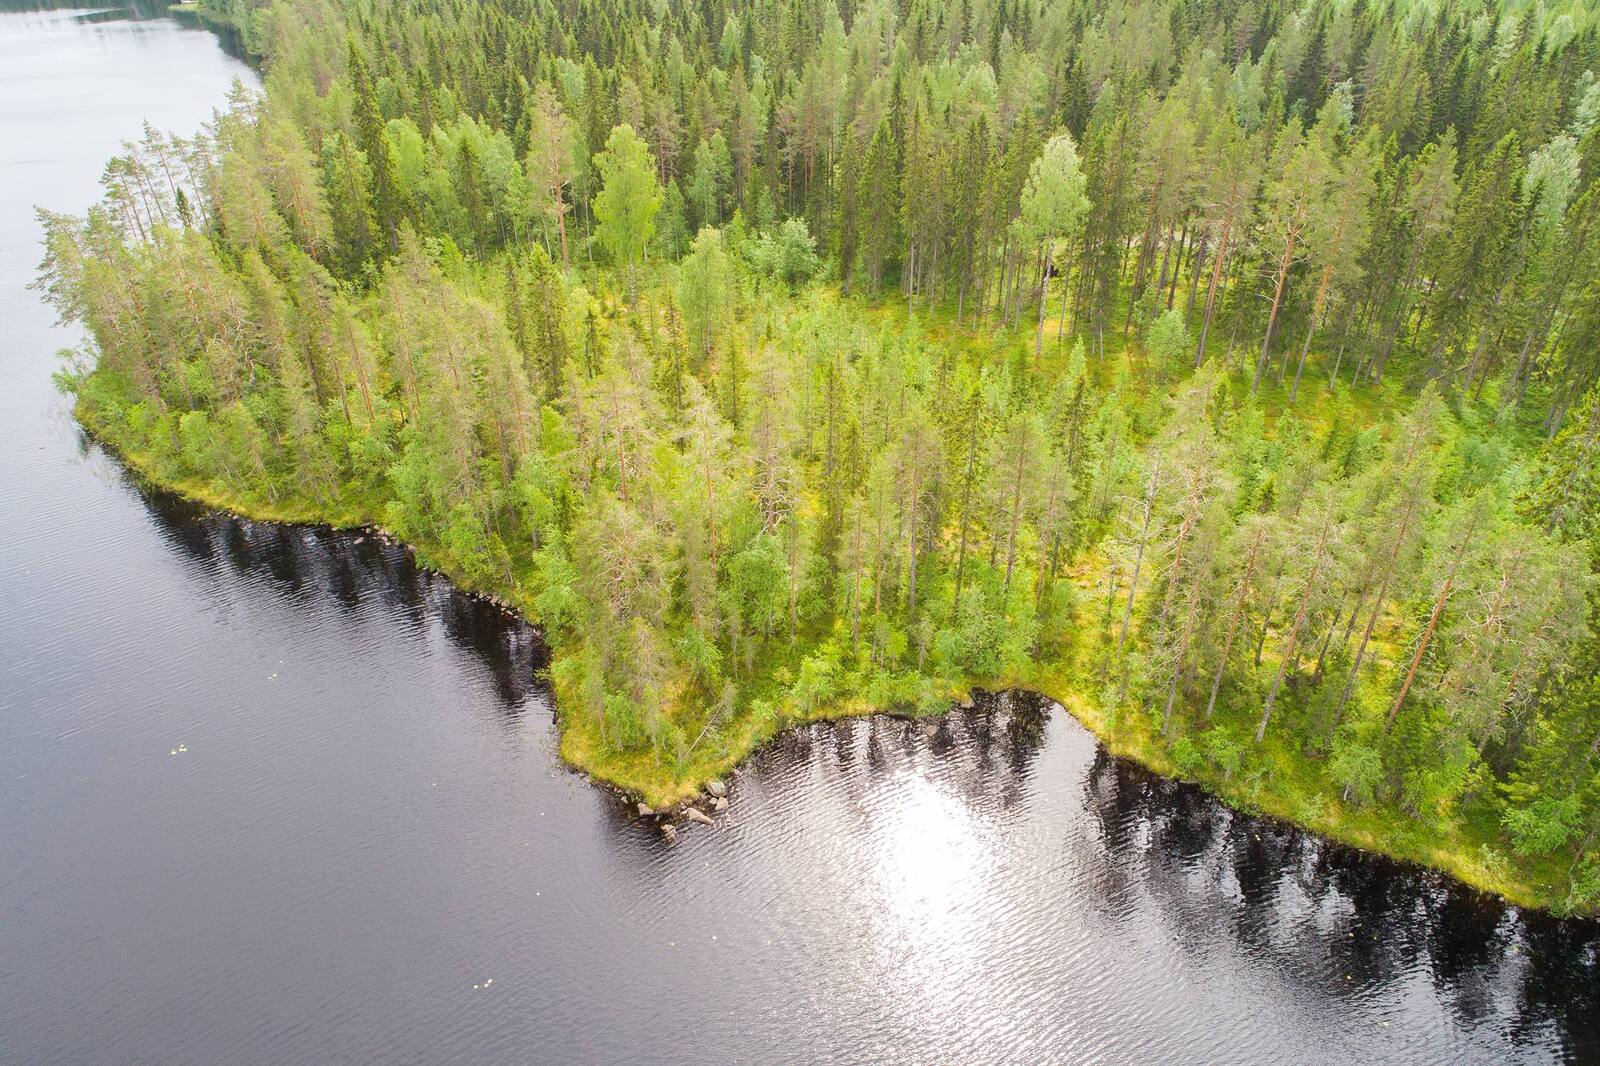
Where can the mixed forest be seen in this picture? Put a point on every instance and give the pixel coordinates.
(1225, 369)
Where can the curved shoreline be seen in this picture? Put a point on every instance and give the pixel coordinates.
(1352, 828)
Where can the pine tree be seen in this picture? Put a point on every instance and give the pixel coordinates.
(878, 226)
(388, 207)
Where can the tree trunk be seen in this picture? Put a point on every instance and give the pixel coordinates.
(966, 501)
(1266, 619)
(1305, 349)
(1312, 580)
(1177, 670)
(1044, 282)
(1138, 558)
(1211, 290)
(1372, 622)
(1427, 633)
(1233, 627)
(1422, 647)
(1177, 267)
(1284, 262)
(1016, 520)
(1061, 329)
(1327, 642)
(1194, 274)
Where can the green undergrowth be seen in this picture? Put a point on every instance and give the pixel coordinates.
(1274, 779)
(1282, 784)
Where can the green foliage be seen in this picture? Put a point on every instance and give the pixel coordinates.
(1224, 749)
(1053, 201)
(758, 583)
(1357, 768)
(818, 681)
(629, 197)
(1188, 756)
(705, 290)
(1543, 826)
(1168, 342)
(788, 255)
(1583, 897)
(371, 293)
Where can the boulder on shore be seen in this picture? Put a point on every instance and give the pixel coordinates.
(719, 804)
(716, 788)
(645, 810)
(695, 814)
(669, 832)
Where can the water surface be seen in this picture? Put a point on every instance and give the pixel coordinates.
(366, 849)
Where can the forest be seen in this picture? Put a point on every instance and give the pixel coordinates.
(1223, 369)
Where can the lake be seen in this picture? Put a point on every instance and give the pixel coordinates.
(273, 795)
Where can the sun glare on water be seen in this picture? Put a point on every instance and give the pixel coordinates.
(929, 862)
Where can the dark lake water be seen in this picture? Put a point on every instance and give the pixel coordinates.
(366, 849)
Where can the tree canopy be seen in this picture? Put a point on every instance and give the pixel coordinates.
(1228, 371)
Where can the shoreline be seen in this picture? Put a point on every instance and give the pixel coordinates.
(668, 799)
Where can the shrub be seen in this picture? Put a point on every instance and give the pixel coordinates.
(1225, 750)
(1584, 895)
(1187, 754)
(789, 254)
(1540, 827)
(1358, 769)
